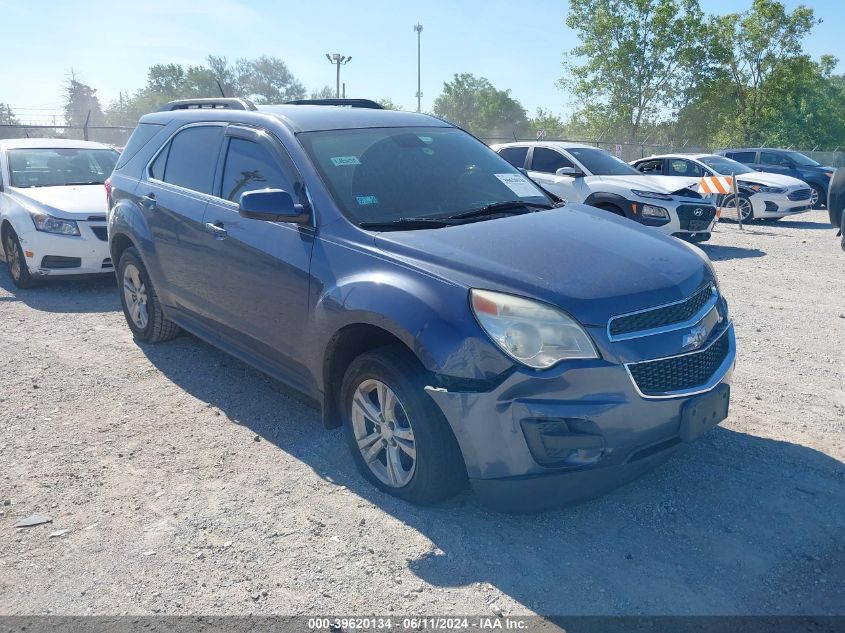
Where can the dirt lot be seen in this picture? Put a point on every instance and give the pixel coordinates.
(189, 483)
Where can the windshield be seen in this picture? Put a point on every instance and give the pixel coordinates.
(599, 163)
(725, 166)
(55, 167)
(382, 175)
(800, 159)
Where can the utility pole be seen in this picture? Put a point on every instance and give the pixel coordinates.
(337, 59)
(418, 28)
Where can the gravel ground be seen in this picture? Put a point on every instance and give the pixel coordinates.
(179, 481)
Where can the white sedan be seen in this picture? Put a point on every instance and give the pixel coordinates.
(53, 208)
(761, 195)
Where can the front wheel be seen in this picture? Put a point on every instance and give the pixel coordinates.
(746, 210)
(15, 259)
(818, 198)
(140, 302)
(399, 439)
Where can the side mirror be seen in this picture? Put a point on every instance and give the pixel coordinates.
(272, 205)
(572, 172)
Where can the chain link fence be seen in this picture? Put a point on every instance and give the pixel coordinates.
(116, 135)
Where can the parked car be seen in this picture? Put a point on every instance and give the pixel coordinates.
(52, 208)
(836, 202)
(581, 173)
(425, 292)
(761, 195)
(787, 163)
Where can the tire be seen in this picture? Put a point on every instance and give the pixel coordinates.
(16, 260)
(141, 306)
(819, 199)
(745, 206)
(437, 470)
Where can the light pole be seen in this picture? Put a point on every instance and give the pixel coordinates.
(337, 59)
(418, 28)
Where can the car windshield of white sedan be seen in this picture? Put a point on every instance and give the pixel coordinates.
(599, 163)
(803, 161)
(390, 175)
(62, 166)
(725, 166)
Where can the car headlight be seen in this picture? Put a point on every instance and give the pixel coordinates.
(651, 194)
(533, 333)
(765, 189)
(651, 211)
(50, 224)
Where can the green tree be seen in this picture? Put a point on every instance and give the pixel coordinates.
(267, 80)
(7, 117)
(476, 105)
(635, 59)
(326, 92)
(388, 104)
(81, 104)
(751, 48)
(546, 125)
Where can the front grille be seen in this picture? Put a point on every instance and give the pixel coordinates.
(696, 217)
(57, 261)
(800, 194)
(680, 373)
(665, 315)
(101, 232)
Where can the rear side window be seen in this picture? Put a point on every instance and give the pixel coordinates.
(742, 157)
(250, 166)
(140, 137)
(651, 166)
(514, 155)
(192, 158)
(548, 161)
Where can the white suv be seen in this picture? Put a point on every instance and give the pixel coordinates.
(581, 173)
(53, 208)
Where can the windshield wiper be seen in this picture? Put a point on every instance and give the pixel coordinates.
(498, 207)
(408, 223)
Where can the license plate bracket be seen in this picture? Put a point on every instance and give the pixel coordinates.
(702, 413)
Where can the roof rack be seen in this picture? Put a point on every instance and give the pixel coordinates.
(212, 104)
(349, 103)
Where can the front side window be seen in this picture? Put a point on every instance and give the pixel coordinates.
(389, 174)
(548, 161)
(599, 163)
(514, 155)
(250, 166)
(56, 167)
(192, 158)
(771, 158)
(683, 167)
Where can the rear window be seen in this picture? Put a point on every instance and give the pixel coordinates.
(514, 155)
(140, 137)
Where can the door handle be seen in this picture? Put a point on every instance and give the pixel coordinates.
(149, 201)
(217, 230)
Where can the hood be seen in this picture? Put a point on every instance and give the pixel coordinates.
(660, 184)
(592, 264)
(771, 180)
(70, 202)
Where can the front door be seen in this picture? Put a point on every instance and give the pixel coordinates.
(544, 163)
(259, 271)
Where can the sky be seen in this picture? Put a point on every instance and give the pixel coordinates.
(110, 44)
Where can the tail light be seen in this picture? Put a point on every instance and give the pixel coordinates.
(107, 185)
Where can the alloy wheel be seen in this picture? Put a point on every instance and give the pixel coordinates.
(814, 197)
(383, 433)
(13, 257)
(745, 209)
(135, 294)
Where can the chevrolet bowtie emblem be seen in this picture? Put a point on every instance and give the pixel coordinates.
(696, 337)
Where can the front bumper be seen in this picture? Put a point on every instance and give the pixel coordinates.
(49, 254)
(622, 433)
(768, 205)
(688, 219)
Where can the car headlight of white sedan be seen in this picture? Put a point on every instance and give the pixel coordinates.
(50, 224)
(533, 333)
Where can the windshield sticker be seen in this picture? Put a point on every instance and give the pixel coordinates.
(519, 184)
(366, 200)
(339, 161)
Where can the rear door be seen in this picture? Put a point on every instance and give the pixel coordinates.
(258, 274)
(544, 162)
(174, 196)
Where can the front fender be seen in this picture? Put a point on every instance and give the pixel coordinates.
(599, 197)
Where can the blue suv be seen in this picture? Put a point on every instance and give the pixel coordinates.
(788, 163)
(434, 300)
